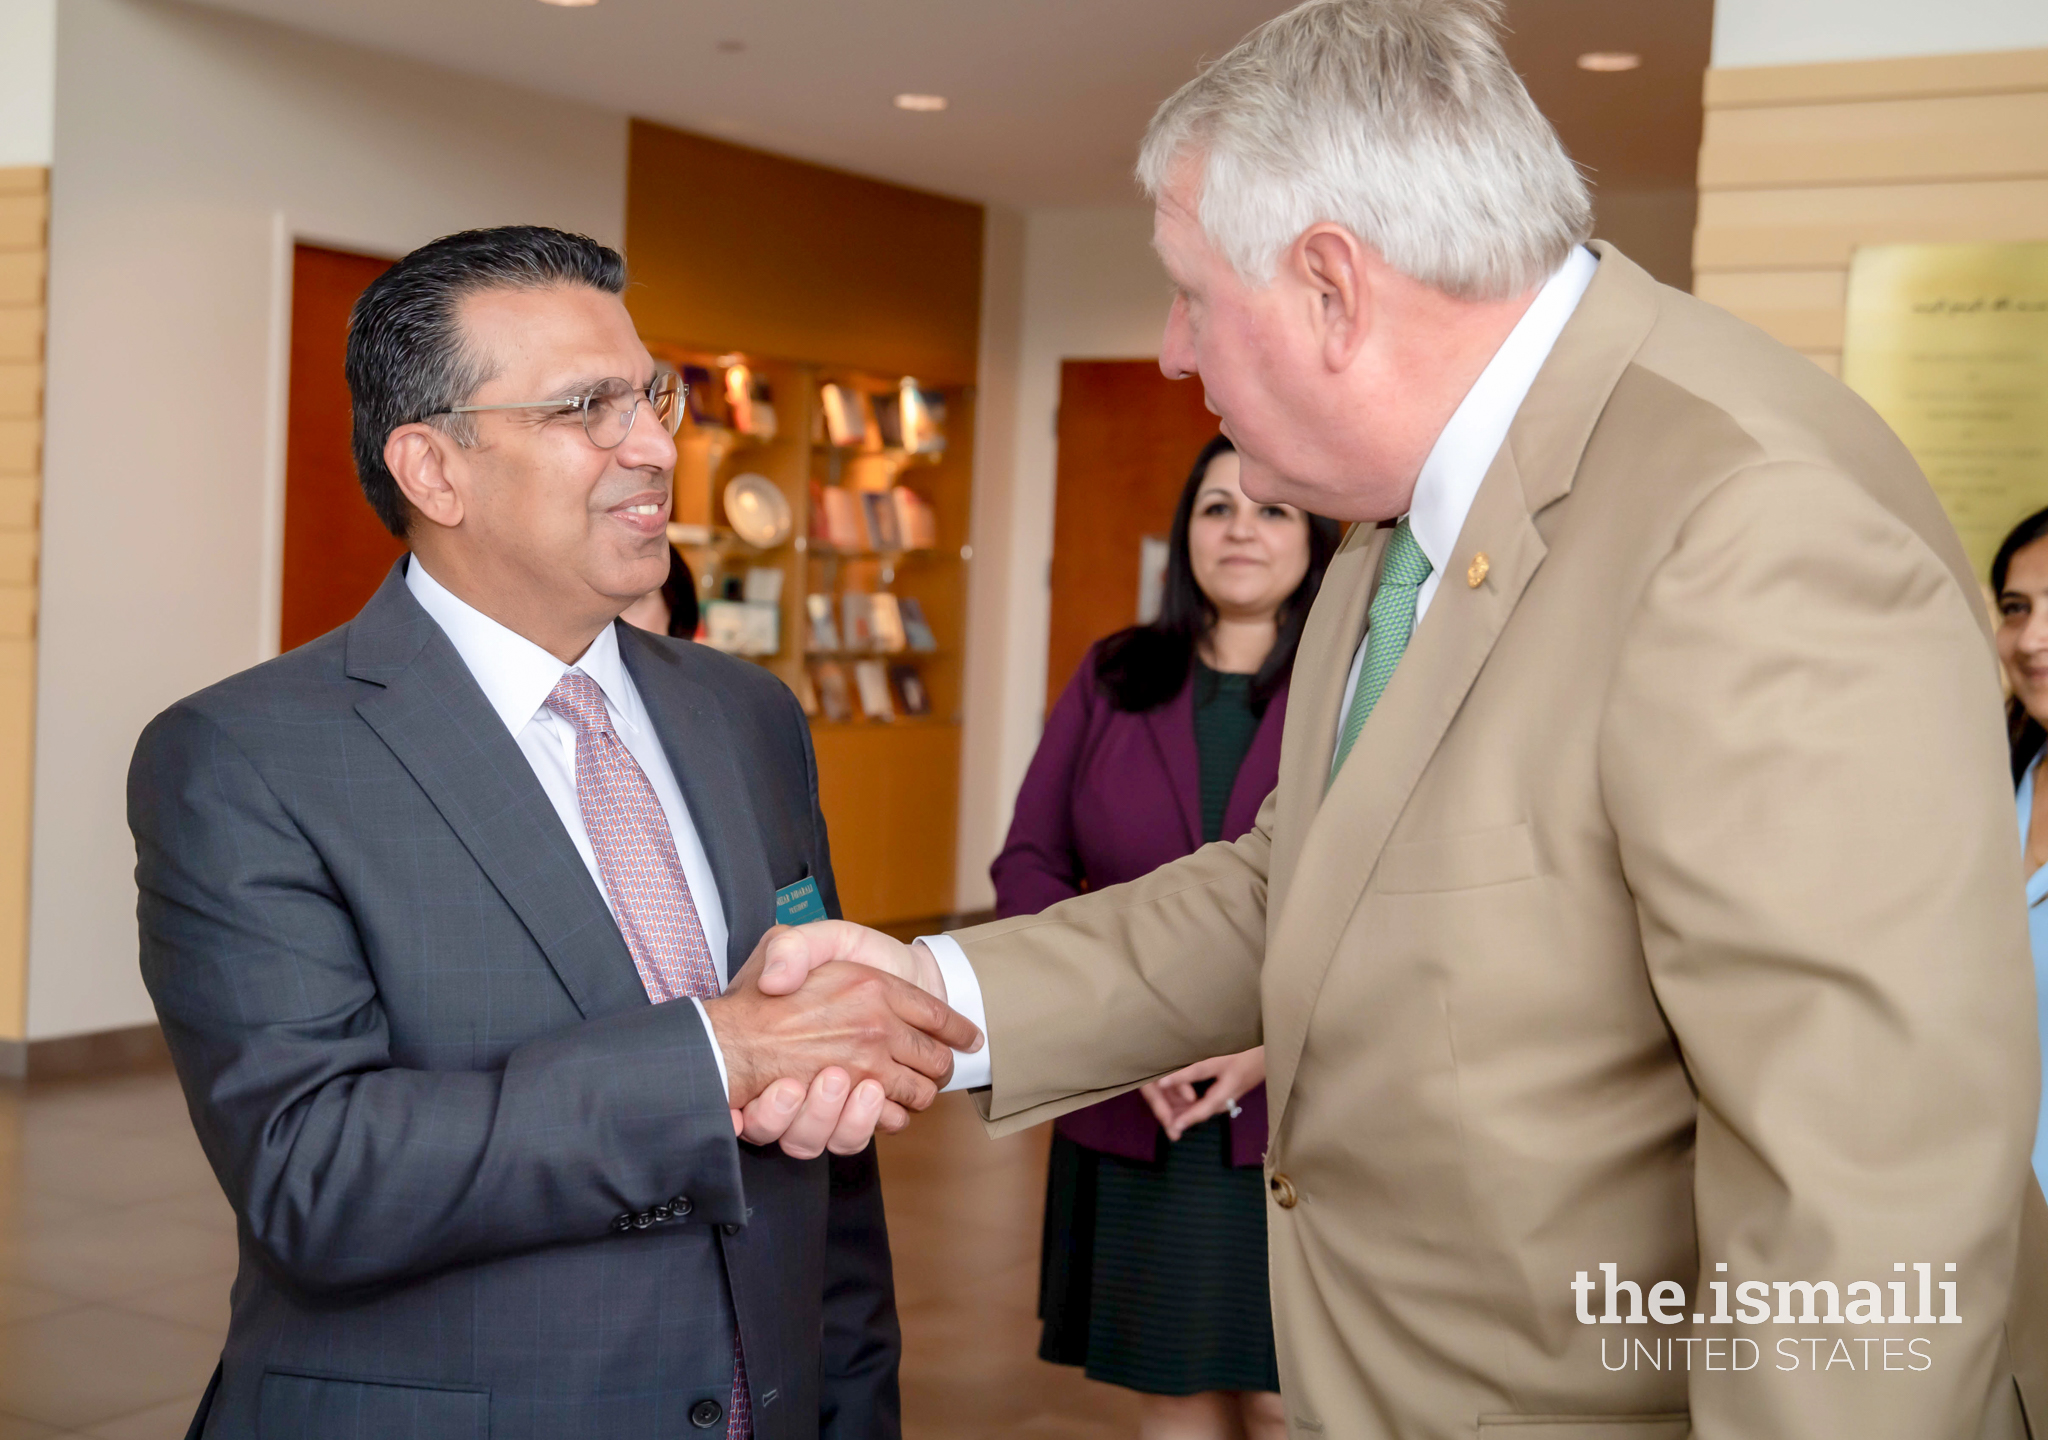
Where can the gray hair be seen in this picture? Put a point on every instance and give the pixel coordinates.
(1400, 120)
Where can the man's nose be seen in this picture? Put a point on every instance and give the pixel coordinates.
(648, 445)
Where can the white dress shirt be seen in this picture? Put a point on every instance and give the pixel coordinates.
(517, 676)
(1444, 490)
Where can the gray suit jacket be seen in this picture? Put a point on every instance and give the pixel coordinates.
(483, 1187)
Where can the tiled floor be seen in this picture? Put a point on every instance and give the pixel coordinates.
(116, 1251)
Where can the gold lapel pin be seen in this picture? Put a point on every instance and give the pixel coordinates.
(1480, 565)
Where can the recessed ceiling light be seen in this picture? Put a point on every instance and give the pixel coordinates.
(1608, 61)
(569, 4)
(920, 102)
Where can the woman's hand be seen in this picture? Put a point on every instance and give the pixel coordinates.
(1179, 1109)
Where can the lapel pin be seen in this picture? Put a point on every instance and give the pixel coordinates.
(1477, 573)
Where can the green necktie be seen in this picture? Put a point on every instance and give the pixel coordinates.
(1390, 622)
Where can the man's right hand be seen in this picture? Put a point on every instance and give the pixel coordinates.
(833, 1113)
(859, 1019)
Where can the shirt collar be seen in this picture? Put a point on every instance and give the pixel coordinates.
(516, 675)
(1463, 453)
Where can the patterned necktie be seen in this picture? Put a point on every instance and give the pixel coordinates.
(636, 854)
(1390, 622)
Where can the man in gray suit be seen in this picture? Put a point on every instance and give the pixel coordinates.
(420, 906)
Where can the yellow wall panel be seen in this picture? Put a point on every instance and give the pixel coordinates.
(24, 210)
(1780, 229)
(21, 444)
(21, 277)
(1802, 308)
(24, 220)
(1802, 164)
(18, 557)
(21, 332)
(20, 502)
(1983, 73)
(1939, 138)
(21, 389)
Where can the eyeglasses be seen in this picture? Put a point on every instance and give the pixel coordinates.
(608, 409)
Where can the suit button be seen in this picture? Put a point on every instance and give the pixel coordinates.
(680, 1207)
(1283, 1192)
(661, 1214)
(643, 1219)
(623, 1223)
(729, 1228)
(706, 1413)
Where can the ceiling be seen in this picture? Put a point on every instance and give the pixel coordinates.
(1048, 98)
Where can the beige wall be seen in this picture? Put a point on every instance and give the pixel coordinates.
(1801, 164)
(1057, 285)
(190, 150)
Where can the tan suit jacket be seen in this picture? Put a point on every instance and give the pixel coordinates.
(1668, 914)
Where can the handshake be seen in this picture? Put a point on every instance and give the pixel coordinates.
(832, 1031)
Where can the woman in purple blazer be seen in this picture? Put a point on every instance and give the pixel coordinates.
(1153, 1274)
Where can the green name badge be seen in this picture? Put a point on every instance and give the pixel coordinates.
(799, 904)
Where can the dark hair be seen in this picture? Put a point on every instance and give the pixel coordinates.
(680, 591)
(2022, 730)
(407, 357)
(1145, 666)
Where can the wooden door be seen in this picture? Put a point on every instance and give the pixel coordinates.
(336, 551)
(1127, 436)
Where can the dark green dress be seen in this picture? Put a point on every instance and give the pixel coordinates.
(1154, 1275)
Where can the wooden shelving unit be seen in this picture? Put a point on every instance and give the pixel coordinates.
(889, 789)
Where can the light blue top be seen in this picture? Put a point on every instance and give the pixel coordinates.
(2037, 930)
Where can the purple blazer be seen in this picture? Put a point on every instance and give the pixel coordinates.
(1111, 796)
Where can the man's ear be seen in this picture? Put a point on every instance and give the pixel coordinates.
(1330, 261)
(421, 458)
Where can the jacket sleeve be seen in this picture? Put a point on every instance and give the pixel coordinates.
(348, 1169)
(1802, 758)
(1040, 864)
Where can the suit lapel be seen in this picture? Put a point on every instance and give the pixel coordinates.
(434, 717)
(1337, 837)
(1172, 728)
(696, 736)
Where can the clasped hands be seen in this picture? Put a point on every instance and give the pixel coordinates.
(832, 1031)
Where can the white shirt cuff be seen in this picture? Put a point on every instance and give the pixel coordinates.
(963, 993)
(716, 1053)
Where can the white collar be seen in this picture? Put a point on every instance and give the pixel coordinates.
(1463, 453)
(516, 675)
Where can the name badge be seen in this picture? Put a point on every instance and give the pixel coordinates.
(799, 904)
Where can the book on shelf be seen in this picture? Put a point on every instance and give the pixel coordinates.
(750, 403)
(857, 617)
(916, 522)
(871, 679)
(763, 585)
(806, 692)
(742, 627)
(704, 397)
(824, 629)
(889, 421)
(846, 422)
(834, 701)
(923, 418)
(917, 631)
(844, 528)
(887, 622)
(880, 513)
(908, 683)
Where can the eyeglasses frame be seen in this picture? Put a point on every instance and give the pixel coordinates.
(582, 405)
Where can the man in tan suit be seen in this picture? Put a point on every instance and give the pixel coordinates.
(1636, 932)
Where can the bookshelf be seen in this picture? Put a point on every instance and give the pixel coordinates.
(889, 787)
